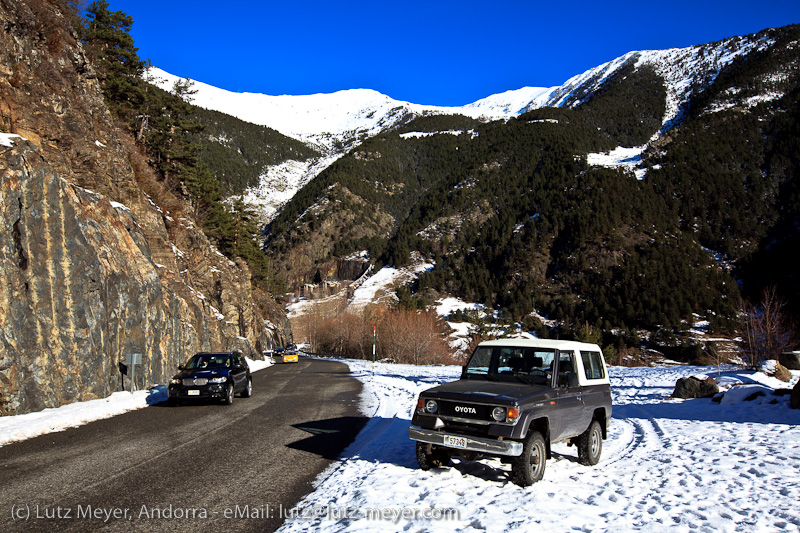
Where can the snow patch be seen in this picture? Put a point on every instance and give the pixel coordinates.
(7, 139)
(620, 157)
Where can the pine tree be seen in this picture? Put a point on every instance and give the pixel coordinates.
(110, 46)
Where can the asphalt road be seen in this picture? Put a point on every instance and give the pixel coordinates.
(199, 467)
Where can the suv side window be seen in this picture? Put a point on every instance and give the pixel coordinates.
(566, 364)
(593, 365)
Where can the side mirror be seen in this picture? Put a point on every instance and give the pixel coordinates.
(464, 372)
(180, 367)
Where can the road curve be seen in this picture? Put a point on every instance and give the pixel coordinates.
(200, 467)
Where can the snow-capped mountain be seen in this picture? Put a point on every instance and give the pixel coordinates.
(681, 68)
(337, 119)
(335, 123)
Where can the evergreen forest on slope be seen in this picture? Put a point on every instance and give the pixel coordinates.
(510, 212)
(512, 215)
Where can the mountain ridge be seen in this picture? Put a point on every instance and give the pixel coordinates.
(525, 208)
(335, 123)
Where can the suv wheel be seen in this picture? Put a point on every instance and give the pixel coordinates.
(229, 394)
(248, 390)
(428, 458)
(528, 468)
(590, 444)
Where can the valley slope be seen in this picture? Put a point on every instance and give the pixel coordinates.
(526, 199)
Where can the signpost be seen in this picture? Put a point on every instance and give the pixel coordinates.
(133, 359)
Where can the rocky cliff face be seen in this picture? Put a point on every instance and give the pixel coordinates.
(91, 269)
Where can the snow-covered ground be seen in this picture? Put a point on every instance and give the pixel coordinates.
(674, 465)
(21, 427)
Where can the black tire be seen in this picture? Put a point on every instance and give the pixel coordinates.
(529, 467)
(228, 400)
(248, 390)
(428, 457)
(590, 445)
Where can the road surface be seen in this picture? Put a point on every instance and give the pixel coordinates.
(199, 467)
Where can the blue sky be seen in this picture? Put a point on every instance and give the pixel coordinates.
(425, 52)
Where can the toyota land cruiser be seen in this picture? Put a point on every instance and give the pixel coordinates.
(515, 398)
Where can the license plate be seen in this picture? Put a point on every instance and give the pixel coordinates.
(455, 442)
(193, 392)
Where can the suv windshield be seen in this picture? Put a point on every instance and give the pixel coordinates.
(209, 360)
(528, 365)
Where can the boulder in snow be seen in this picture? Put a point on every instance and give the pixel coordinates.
(751, 392)
(782, 373)
(694, 387)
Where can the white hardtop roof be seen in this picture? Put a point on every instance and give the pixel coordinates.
(543, 343)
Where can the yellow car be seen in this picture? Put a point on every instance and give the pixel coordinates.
(289, 356)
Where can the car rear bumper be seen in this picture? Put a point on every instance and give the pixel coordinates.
(474, 444)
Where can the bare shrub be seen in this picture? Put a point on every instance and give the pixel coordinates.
(414, 337)
(157, 190)
(403, 336)
(766, 329)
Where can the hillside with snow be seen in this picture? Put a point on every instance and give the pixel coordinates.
(334, 121)
(337, 122)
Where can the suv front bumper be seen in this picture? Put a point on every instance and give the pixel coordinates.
(212, 390)
(474, 444)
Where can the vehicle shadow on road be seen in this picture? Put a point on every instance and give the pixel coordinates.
(328, 438)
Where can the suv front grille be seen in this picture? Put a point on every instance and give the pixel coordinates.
(189, 382)
(473, 411)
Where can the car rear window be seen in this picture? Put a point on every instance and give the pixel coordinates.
(593, 365)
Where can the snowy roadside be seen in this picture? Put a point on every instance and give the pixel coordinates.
(21, 427)
(668, 464)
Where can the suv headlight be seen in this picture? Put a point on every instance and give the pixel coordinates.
(175, 381)
(499, 413)
(221, 379)
(431, 406)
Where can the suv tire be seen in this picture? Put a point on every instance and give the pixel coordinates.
(229, 394)
(248, 390)
(529, 467)
(590, 444)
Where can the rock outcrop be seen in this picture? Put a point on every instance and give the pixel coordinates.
(91, 269)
